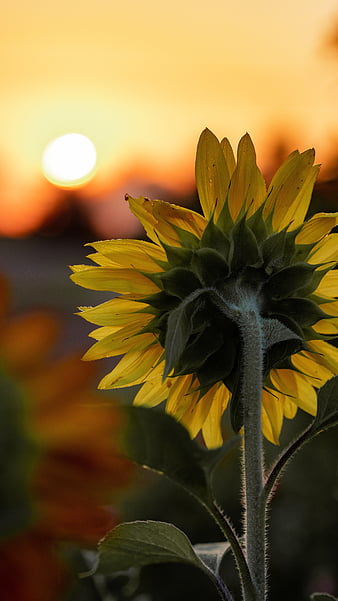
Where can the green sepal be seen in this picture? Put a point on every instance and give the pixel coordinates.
(220, 365)
(209, 266)
(180, 282)
(245, 250)
(258, 225)
(225, 221)
(187, 239)
(301, 252)
(288, 280)
(213, 237)
(272, 249)
(181, 325)
(302, 310)
(280, 342)
(161, 301)
(178, 256)
(197, 352)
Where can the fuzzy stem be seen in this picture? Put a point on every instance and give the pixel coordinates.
(251, 385)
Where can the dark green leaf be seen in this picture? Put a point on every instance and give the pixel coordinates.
(178, 256)
(137, 544)
(156, 440)
(280, 342)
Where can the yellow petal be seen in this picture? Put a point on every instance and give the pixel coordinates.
(325, 250)
(331, 308)
(289, 407)
(328, 285)
(296, 212)
(228, 155)
(247, 188)
(154, 391)
(316, 227)
(211, 429)
(297, 387)
(325, 326)
(133, 368)
(272, 417)
(114, 280)
(196, 414)
(120, 342)
(212, 175)
(104, 331)
(315, 372)
(133, 254)
(115, 312)
(180, 395)
(158, 217)
(326, 354)
(286, 185)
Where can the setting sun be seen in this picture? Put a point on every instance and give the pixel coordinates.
(69, 160)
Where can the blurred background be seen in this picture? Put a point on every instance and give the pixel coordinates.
(137, 82)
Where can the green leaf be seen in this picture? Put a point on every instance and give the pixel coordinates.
(137, 544)
(280, 342)
(322, 597)
(156, 440)
(245, 250)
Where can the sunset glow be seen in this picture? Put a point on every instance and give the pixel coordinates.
(69, 160)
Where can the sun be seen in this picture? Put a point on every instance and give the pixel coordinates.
(69, 160)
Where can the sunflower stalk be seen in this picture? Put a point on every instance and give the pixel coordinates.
(250, 391)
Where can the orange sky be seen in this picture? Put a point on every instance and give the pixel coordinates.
(142, 79)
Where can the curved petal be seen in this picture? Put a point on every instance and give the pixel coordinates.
(325, 250)
(122, 341)
(272, 417)
(212, 175)
(133, 254)
(287, 184)
(247, 188)
(180, 395)
(325, 353)
(154, 391)
(314, 371)
(133, 368)
(297, 387)
(328, 285)
(316, 227)
(115, 312)
(113, 280)
(211, 428)
(228, 155)
(158, 217)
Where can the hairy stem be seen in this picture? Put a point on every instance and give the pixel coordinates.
(250, 390)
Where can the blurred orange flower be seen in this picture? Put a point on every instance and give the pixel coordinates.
(59, 454)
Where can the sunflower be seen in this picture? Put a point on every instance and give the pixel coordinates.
(60, 462)
(173, 316)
